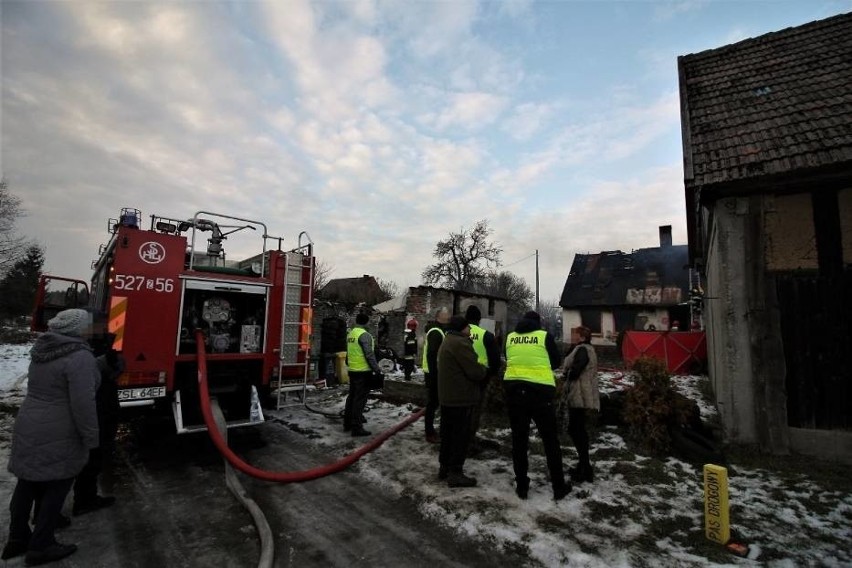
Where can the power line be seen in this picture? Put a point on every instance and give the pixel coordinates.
(519, 260)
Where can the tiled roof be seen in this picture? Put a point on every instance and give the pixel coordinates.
(651, 276)
(359, 289)
(776, 104)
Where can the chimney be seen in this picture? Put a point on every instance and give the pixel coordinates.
(665, 236)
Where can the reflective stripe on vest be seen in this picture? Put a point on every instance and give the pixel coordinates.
(527, 358)
(354, 352)
(409, 341)
(424, 363)
(477, 335)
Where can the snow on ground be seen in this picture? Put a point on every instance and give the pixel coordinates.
(640, 511)
(14, 360)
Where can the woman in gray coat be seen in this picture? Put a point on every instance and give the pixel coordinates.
(55, 428)
(579, 394)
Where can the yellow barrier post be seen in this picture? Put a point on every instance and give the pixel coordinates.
(340, 369)
(717, 526)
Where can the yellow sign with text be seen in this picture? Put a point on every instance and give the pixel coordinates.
(717, 525)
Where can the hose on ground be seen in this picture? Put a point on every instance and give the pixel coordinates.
(280, 476)
(620, 372)
(267, 543)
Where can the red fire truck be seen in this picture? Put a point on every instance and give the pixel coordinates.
(157, 286)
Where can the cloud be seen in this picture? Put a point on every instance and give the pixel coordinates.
(468, 110)
(378, 128)
(616, 133)
(527, 119)
(610, 214)
(431, 29)
(667, 10)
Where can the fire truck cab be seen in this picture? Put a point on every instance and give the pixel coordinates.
(157, 286)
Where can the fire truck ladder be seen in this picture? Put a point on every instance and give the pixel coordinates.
(295, 348)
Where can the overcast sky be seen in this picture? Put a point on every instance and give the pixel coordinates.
(376, 126)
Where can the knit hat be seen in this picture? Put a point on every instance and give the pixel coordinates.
(362, 319)
(412, 324)
(473, 315)
(457, 323)
(70, 322)
(532, 316)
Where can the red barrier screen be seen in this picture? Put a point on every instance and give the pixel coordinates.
(683, 351)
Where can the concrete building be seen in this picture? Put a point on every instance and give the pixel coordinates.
(422, 302)
(767, 139)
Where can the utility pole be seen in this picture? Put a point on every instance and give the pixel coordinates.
(536, 281)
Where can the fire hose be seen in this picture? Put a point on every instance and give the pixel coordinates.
(217, 428)
(280, 476)
(267, 546)
(619, 372)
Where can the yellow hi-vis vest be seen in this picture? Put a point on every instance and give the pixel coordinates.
(425, 363)
(527, 358)
(354, 354)
(477, 335)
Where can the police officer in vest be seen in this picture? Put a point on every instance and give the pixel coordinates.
(434, 338)
(530, 387)
(488, 355)
(362, 365)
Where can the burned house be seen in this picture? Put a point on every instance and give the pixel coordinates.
(767, 142)
(613, 291)
(421, 302)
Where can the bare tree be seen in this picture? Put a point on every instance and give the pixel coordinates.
(515, 289)
(551, 317)
(388, 289)
(322, 274)
(463, 258)
(13, 247)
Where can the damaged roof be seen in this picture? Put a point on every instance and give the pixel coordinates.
(647, 277)
(768, 107)
(352, 290)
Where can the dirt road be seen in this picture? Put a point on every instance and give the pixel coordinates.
(173, 510)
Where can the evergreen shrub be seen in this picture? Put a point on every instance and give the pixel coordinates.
(652, 406)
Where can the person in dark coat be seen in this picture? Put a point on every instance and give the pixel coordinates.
(530, 388)
(110, 365)
(409, 348)
(459, 378)
(434, 338)
(54, 431)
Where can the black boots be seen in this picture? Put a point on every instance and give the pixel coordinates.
(522, 487)
(582, 473)
(458, 479)
(360, 432)
(14, 548)
(561, 490)
(50, 554)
